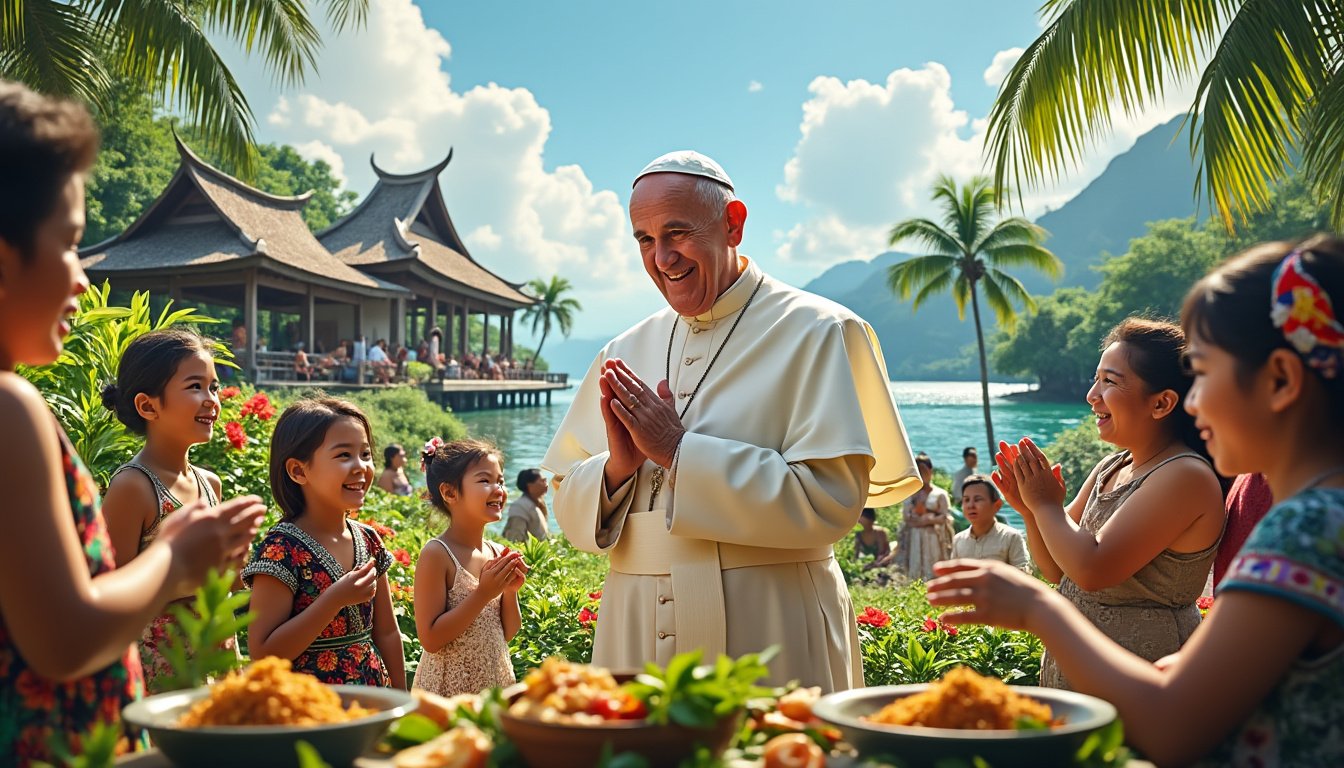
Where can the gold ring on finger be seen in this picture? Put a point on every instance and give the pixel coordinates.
(634, 403)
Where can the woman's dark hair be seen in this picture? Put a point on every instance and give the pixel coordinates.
(147, 365)
(869, 513)
(43, 142)
(922, 460)
(390, 453)
(299, 432)
(449, 463)
(1155, 349)
(1229, 307)
(528, 477)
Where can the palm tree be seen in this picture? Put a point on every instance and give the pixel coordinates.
(80, 48)
(1272, 89)
(968, 251)
(551, 307)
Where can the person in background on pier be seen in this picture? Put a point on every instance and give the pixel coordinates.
(303, 369)
(716, 451)
(527, 514)
(238, 339)
(969, 460)
(987, 538)
(380, 363)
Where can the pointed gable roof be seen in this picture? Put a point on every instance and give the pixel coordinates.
(206, 218)
(404, 219)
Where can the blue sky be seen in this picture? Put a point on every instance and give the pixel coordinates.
(832, 119)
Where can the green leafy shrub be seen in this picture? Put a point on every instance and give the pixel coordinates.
(407, 416)
(417, 371)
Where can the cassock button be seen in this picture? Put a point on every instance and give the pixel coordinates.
(662, 635)
(683, 395)
(689, 360)
(662, 599)
(695, 330)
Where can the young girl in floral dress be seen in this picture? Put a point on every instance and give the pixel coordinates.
(68, 620)
(167, 391)
(318, 578)
(466, 588)
(1261, 681)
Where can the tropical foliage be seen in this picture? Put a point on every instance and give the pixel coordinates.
(1270, 91)
(969, 251)
(553, 307)
(165, 48)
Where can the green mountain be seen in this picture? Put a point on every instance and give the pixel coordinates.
(1154, 180)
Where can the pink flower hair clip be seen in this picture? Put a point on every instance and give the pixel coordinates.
(432, 445)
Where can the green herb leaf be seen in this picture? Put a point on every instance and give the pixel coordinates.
(410, 730)
(308, 755)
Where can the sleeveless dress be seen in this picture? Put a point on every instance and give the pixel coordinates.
(343, 653)
(154, 641)
(1153, 612)
(476, 659)
(34, 709)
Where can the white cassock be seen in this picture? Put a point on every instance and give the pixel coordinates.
(792, 432)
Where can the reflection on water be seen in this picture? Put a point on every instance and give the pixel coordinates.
(941, 418)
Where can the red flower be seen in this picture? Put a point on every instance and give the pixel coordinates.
(1204, 603)
(929, 625)
(382, 530)
(402, 556)
(587, 616)
(258, 405)
(596, 595)
(874, 617)
(228, 392)
(236, 436)
(949, 629)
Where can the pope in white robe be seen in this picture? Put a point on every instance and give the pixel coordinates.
(718, 494)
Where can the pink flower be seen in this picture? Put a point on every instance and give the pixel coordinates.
(229, 392)
(595, 595)
(1204, 603)
(236, 436)
(587, 616)
(402, 556)
(929, 625)
(874, 617)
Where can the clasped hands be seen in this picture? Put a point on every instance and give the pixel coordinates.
(1026, 478)
(642, 422)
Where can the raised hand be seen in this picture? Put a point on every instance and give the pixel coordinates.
(989, 591)
(648, 414)
(1005, 480)
(1039, 484)
(357, 586)
(499, 574)
(624, 458)
(210, 537)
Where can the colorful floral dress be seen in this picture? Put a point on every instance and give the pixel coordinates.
(344, 652)
(155, 638)
(34, 709)
(1296, 554)
(479, 657)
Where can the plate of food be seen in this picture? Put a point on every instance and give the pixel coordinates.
(966, 716)
(256, 717)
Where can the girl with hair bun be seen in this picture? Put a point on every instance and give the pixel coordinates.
(466, 588)
(1261, 682)
(166, 391)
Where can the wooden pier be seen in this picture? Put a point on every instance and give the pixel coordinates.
(521, 390)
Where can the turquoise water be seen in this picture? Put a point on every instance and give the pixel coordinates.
(940, 417)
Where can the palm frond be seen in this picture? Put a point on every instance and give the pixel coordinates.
(1026, 255)
(1323, 149)
(159, 43)
(1057, 100)
(53, 48)
(280, 28)
(1011, 231)
(1004, 294)
(904, 277)
(933, 287)
(1254, 93)
(347, 13)
(929, 234)
(961, 294)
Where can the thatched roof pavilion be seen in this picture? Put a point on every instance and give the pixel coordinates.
(402, 233)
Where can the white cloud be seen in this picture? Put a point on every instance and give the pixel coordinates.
(755, 86)
(868, 154)
(1001, 65)
(383, 91)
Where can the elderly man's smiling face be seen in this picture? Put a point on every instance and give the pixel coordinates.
(687, 245)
